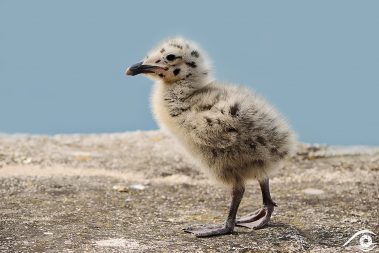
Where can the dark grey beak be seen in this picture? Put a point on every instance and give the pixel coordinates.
(139, 68)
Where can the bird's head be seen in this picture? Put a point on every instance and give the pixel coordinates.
(174, 60)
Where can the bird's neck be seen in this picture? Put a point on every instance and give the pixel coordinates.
(180, 90)
(177, 95)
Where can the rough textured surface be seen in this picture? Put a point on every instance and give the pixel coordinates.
(134, 192)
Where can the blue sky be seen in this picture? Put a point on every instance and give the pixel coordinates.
(62, 63)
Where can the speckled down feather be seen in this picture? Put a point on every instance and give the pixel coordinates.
(233, 133)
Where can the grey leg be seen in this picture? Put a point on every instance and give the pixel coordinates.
(260, 218)
(228, 226)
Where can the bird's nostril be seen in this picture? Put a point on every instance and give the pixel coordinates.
(135, 66)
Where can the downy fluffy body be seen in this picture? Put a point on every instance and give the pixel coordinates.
(233, 133)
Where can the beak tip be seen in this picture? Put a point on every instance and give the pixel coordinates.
(129, 72)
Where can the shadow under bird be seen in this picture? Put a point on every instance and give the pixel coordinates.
(232, 133)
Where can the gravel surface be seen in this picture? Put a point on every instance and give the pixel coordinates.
(134, 192)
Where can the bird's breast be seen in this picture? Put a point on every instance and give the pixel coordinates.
(161, 112)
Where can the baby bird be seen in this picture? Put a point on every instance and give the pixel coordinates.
(229, 131)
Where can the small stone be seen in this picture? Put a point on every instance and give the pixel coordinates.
(313, 191)
(350, 220)
(156, 139)
(27, 160)
(118, 242)
(137, 186)
(120, 188)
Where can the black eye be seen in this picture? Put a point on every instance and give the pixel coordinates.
(170, 57)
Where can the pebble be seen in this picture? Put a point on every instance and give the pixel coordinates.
(137, 186)
(27, 160)
(350, 220)
(120, 188)
(118, 242)
(313, 191)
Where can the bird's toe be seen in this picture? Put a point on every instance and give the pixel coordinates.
(208, 230)
(258, 220)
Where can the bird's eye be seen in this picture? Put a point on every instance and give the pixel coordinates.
(170, 57)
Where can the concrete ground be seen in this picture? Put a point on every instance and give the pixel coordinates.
(134, 192)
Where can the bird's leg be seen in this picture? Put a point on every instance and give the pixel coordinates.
(228, 226)
(261, 217)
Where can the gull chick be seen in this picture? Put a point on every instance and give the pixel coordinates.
(231, 132)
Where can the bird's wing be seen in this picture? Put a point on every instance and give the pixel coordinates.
(211, 128)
